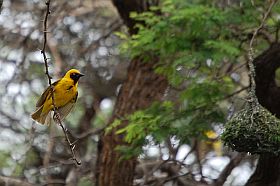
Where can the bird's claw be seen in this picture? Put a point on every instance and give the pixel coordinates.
(56, 117)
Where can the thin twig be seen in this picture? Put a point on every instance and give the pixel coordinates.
(191, 151)
(1, 3)
(228, 169)
(174, 177)
(251, 55)
(56, 113)
(43, 51)
(90, 133)
(236, 92)
(71, 145)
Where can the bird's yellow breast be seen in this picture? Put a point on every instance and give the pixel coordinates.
(64, 92)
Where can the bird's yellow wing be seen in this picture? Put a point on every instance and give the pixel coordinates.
(44, 96)
(66, 109)
(63, 111)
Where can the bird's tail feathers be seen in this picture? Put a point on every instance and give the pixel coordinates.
(48, 119)
(39, 116)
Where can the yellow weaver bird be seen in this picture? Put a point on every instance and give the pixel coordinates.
(65, 93)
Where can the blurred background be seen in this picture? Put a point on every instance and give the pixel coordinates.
(82, 35)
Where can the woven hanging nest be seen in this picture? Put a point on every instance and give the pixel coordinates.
(254, 130)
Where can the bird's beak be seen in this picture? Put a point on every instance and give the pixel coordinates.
(81, 75)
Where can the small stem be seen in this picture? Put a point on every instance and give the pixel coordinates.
(71, 145)
(252, 92)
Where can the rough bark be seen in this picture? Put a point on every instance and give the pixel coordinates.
(268, 169)
(267, 91)
(125, 7)
(139, 91)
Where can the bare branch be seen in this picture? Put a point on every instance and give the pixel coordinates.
(54, 182)
(70, 144)
(267, 36)
(13, 181)
(227, 170)
(56, 114)
(236, 92)
(90, 133)
(43, 51)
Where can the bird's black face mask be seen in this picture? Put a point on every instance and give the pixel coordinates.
(76, 77)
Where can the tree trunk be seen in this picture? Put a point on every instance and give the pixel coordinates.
(141, 88)
(125, 7)
(139, 91)
(267, 172)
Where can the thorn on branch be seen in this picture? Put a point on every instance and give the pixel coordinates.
(73, 143)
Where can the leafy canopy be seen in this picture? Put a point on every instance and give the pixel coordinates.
(192, 41)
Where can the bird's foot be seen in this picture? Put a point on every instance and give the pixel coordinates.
(56, 117)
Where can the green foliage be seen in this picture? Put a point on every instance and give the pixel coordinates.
(195, 30)
(31, 158)
(162, 120)
(4, 157)
(206, 91)
(153, 120)
(85, 181)
(18, 170)
(129, 152)
(191, 41)
(115, 124)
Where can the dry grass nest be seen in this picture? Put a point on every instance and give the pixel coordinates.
(254, 130)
